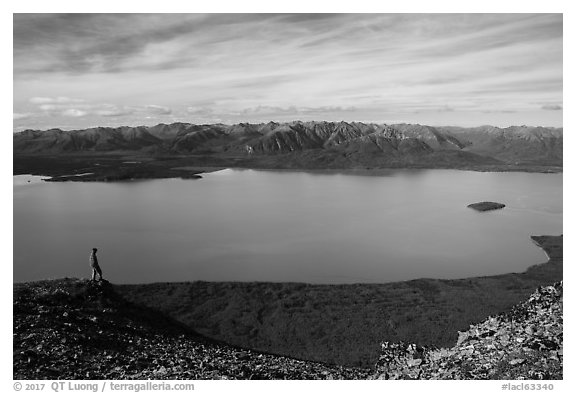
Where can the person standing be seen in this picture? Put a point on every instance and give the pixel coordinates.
(94, 265)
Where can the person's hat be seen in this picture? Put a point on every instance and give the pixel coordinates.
(94, 249)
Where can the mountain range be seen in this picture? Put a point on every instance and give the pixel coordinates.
(337, 144)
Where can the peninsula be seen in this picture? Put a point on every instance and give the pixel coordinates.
(185, 150)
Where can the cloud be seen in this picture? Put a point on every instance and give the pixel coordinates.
(271, 110)
(326, 109)
(84, 43)
(113, 111)
(72, 112)
(552, 107)
(50, 107)
(108, 110)
(72, 107)
(67, 110)
(158, 109)
(54, 100)
(61, 106)
(199, 111)
(288, 66)
(20, 116)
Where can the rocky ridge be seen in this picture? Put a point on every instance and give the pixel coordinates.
(339, 144)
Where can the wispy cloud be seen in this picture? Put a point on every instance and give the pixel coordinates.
(246, 66)
(75, 107)
(20, 116)
(54, 100)
(74, 112)
(293, 110)
(158, 109)
(108, 110)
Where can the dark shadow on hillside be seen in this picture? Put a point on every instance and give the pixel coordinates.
(76, 329)
(344, 324)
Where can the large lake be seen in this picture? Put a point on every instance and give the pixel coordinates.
(247, 225)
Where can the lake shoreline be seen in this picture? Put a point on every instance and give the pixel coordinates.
(336, 323)
(108, 168)
(340, 323)
(323, 223)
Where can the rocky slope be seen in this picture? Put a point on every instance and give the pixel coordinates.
(75, 329)
(332, 144)
(524, 343)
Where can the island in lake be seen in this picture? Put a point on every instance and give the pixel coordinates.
(486, 206)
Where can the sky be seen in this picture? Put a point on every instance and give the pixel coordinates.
(75, 71)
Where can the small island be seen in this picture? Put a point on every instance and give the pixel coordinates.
(485, 206)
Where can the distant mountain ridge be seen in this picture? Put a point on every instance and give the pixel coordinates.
(359, 141)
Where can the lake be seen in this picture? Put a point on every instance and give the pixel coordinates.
(316, 227)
